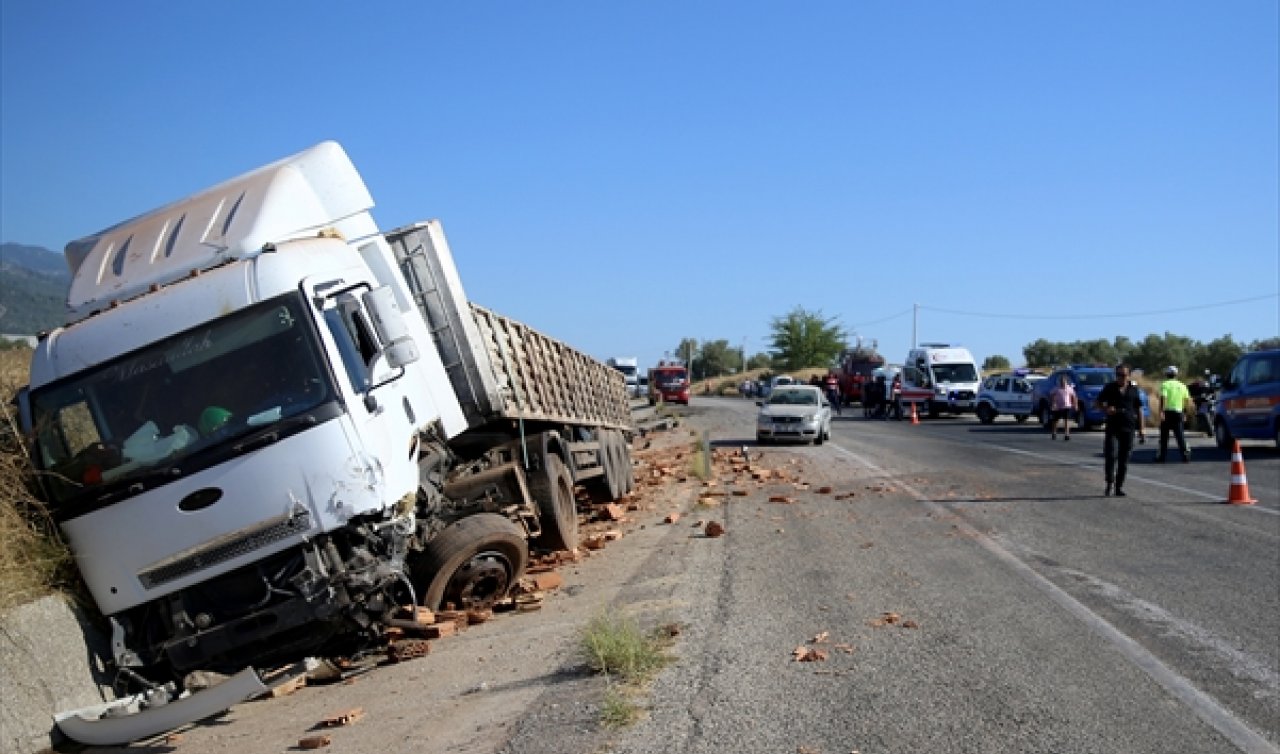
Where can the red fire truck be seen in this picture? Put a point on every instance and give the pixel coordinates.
(669, 383)
(857, 366)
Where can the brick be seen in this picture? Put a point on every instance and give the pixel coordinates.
(441, 630)
(824, 490)
(714, 529)
(611, 512)
(347, 717)
(545, 582)
(671, 518)
(613, 535)
(314, 742)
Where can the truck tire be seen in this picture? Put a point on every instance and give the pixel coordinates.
(557, 507)
(473, 563)
(607, 486)
(622, 463)
(986, 414)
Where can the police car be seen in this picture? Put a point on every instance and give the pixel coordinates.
(1007, 393)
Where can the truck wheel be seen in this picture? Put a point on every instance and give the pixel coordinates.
(472, 563)
(624, 464)
(1020, 418)
(609, 484)
(557, 507)
(1046, 416)
(985, 414)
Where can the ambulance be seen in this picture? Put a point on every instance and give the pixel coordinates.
(939, 378)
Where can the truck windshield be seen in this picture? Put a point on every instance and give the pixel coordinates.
(669, 379)
(955, 373)
(146, 415)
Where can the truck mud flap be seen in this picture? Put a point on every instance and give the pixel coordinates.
(124, 720)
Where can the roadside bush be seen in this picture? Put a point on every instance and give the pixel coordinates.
(33, 559)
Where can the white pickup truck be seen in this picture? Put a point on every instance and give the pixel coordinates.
(266, 425)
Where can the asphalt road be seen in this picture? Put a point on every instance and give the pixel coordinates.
(1029, 613)
(1047, 617)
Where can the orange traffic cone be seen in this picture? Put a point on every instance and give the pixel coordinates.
(914, 419)
(1239, 492)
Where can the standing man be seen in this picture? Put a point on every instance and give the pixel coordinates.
(1173, 400)
(1119, 400)
(832, 384)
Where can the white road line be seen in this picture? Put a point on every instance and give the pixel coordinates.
(1143, 479)
(1204, 706)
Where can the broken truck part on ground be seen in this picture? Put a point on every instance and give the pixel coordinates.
(266, 425)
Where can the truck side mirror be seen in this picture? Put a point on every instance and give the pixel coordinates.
(399, 348)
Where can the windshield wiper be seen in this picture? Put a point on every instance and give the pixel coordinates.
(272, 433)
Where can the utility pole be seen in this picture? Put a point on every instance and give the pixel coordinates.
(915, 315)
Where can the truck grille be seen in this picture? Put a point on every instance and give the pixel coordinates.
(298, 522)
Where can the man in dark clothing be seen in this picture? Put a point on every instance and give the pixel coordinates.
(1123, 407)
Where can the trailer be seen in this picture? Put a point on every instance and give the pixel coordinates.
(266, 426)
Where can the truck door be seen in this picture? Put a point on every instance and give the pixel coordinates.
(385, 409)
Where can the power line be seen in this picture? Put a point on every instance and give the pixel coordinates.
(1023, 315)
(883, 319)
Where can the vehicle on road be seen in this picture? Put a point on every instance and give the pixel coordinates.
(794, 412)
(630, 368)
(1007, 393)
(939, 378)
(266, 425)
(857, 368)
(1088, 381)
(1248, 404)
(669, 383)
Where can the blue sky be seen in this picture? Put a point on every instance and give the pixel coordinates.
(625, 175)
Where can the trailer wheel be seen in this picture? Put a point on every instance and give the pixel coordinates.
(473, 563)
(624, 463)
(557, 507)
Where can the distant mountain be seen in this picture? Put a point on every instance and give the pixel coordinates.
(33, 289)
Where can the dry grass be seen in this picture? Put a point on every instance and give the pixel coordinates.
(33, 559)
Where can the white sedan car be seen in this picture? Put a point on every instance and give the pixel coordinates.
(794, 412)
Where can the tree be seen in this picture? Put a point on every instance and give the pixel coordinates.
(1266, 344)
(1155, 353)
(716, 358)
(686, 351)
(1216, 357)
(805, 339)
(760, 361)
(994, 362)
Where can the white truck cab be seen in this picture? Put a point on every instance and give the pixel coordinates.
(940, 378)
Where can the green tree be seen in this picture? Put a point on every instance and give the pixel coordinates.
(686, 351)
(1216, 357)
(1155, 353)
(760, 361)
(715, 358)
(1266, 344)
(995, 362)
(805, 339)
(1042, 353)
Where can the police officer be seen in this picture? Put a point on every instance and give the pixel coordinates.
(1173, 399)
(1120, 401)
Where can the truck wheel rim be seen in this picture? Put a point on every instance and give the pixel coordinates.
(480, 581)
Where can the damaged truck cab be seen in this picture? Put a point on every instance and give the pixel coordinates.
(266, 425)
